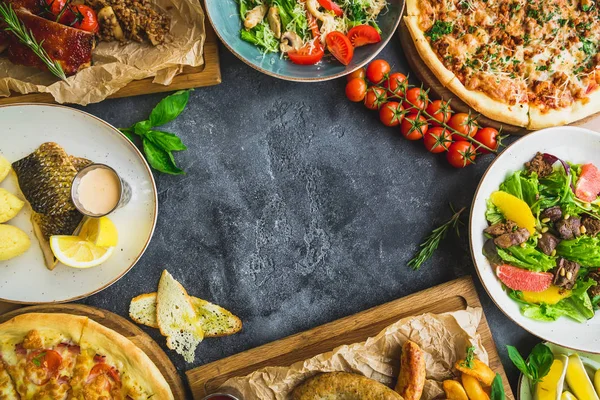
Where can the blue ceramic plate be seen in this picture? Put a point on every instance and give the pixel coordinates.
(225, 19)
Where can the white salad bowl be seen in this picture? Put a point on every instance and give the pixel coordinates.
(576, 145)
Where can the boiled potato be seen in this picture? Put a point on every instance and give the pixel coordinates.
(454, 390)
(13, 242)
(480, 371)
(10, 205)
(473, 388)
(5, 168)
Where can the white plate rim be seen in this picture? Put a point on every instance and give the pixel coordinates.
(119, 136)
(471, 213)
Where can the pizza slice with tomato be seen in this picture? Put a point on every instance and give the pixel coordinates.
(8, 391)
(39, 352)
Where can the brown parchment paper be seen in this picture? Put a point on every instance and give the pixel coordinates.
(443, 337)
(115, 65)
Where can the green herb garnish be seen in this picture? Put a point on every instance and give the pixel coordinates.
(468, 363)
(25, 36)
(432, 241)
(439, 29)
(37, 360)
(497, 389)
(159, 145)
(537, 365)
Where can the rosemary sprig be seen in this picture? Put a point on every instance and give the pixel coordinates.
(432, 241)
(25, 36)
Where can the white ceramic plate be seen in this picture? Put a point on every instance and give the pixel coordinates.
(25, 279)
(568, 143)
(591, 362)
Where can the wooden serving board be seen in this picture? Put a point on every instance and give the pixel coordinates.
(451, 296)
(439, 91)
(192, 77)
(118, 324)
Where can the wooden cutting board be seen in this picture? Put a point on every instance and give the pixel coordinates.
(439, 91)
(192, 77)
(118, 324)
(451, 296)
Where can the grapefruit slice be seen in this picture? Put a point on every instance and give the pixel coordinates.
(588, 184)
(522, 279)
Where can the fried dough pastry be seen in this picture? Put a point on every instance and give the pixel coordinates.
(343, 386)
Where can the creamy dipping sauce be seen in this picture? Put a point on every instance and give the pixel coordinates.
(99, 191)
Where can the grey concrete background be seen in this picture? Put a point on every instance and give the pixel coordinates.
(298, 208)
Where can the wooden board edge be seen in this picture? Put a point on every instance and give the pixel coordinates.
(197, 377)
(139, 337)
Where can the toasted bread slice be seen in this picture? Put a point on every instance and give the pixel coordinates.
(214, 320)
(176, 317)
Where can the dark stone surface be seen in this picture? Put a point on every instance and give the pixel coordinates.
(298, 208)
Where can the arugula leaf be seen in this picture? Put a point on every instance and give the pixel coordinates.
(537, 365)
(468, 363)
(497, 389)
(167, 141)
(169, 108)
(160, 159)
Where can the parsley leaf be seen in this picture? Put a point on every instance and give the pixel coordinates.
(468, 363)
(439, 29)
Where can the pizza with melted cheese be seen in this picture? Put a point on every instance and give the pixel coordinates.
(62, 356)
(531, 63)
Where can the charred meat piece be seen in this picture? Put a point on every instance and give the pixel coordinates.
(547, 243)
(512, 239)
(539, 166)
(553, 213)
(594, 290)
(592, 225)
(71, 47)
(565, 273)
(501, 228)
(35, 6)
(569, 228)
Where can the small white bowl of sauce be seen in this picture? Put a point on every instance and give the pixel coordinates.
(98, 190)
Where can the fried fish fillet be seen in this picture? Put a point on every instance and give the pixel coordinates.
(45, 177)
(343, 386)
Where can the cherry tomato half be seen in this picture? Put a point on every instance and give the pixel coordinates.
(363, 34)
(460, 154)
(378, 70)
(437, 139)
(440, 111)
(391, 113)
(463, 123)
(331, 6)
(356, 90)
(488, 137)
(339, 45)
(396, 84)
(414, 126)
(308, 55)
(416, 99)
(375, 98)
(359, 73)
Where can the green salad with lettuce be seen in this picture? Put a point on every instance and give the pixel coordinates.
(543, 238)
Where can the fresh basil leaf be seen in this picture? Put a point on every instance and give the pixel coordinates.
(160, 159)
(518, 361)
(128, 132)
(540, 359)
(169, 108)
(167, 141)
(142, 127)
(497, 389)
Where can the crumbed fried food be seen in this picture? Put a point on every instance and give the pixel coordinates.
(343, 386)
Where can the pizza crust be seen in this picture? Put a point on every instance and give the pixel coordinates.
(539, 119)
(129, 359)
(412, 8)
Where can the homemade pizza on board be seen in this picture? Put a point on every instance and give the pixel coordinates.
(63, 356)
(530, 63)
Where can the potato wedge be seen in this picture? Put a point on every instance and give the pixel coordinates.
(411, 379)
(454, 390)
(473, 388)
(480, 371)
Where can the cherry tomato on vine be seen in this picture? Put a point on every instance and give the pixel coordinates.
(356, 90)
(363, 34)
(85, 18)
(391, 113)
(415, 99)
(437, 139)
(488, 137)
(463, 123)
(359, 73)
(460, 154)
(340, 47)
(378, 70)
(396, 84)
(414, 126)
(55, 6)
(440, 111)
(375, 98)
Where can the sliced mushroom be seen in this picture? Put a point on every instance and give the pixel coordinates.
(290, 41)
(107, 16)
(274, 21)
(255, 16)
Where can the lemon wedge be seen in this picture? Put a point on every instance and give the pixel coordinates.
(566, 395)
(102, 232)
(77, 252)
